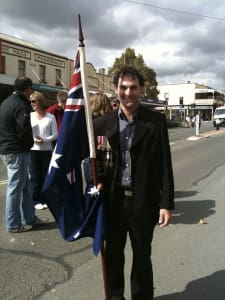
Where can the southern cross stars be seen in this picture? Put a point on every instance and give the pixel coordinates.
(53, 162)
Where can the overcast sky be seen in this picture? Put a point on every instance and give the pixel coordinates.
(180, 40)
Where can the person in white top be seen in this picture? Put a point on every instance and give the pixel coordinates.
(44, 129)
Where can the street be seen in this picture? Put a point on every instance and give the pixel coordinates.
(188, 256)
(182, 133)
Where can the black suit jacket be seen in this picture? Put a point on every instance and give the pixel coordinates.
(152, 174)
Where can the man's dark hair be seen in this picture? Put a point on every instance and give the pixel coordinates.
(131, 71)
(22, 83)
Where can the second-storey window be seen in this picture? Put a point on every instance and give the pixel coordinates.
(42, 73)
(2, 65)
(21, 68)
(181, 101)
(58, 78)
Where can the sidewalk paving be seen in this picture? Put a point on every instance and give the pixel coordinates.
(207, 134)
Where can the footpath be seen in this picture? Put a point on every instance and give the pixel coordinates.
(206, 134)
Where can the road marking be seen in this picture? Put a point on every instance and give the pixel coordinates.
(193, 138)
(2, 182)
(172, 144)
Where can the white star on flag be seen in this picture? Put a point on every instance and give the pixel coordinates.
(93, 191)
(53, 162)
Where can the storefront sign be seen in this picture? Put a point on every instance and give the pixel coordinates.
(49, 60)
(16, 52)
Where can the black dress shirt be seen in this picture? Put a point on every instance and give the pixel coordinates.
(127, 129)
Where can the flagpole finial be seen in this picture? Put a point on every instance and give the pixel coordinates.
(81, 37)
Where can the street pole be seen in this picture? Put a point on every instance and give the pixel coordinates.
(197, 124)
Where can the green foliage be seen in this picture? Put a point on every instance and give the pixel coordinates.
(130, 58)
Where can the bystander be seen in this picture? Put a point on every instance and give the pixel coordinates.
(44, 129)
(15, 142)
(57, 109)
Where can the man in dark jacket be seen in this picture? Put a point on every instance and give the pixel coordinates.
(16, 139)
(137, 182)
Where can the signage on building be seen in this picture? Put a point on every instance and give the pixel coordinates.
(49, 60)
(16, 52)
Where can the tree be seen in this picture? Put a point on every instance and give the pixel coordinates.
(130, 58)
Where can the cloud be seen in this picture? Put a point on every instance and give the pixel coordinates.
(180, 41)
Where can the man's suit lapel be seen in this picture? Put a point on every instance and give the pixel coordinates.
(140, 130)
(141, 127)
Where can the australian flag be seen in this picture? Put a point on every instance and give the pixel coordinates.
(77, 214)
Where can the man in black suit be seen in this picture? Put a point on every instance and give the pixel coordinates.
(136, 172)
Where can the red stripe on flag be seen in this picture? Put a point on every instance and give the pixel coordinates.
(73, 106)
(76, 80)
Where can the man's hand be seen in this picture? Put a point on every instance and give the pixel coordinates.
(165, 216)
(100, 186)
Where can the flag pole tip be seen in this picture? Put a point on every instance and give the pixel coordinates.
(81, 36)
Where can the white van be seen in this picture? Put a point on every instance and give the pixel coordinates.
(219, 114)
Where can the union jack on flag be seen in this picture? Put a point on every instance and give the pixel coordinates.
(76, 214)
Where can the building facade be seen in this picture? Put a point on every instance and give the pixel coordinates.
(49, 72)
(188, 99)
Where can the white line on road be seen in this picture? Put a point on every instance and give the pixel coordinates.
(193, 138)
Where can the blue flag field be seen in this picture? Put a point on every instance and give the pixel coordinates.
(77, 214)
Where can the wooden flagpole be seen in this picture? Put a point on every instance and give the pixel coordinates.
(90, 138)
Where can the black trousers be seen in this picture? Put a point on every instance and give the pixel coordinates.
(121, 223)
(38, 170)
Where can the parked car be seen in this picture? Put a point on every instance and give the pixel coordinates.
(219, 114)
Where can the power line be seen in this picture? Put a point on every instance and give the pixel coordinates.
(175, 10)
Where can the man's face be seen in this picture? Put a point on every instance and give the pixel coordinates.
(129, 91)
